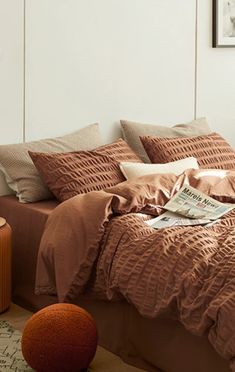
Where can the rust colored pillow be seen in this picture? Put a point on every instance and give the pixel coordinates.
(71, 173)
(211, 151)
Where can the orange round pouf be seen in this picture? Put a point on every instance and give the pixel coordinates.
(60, 338)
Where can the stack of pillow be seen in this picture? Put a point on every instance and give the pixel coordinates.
(77, 163)
(64, 166)
(175, 149)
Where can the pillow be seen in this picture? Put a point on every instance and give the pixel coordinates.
(4, 189)
(211, 151)
(20, 172)
(72, 173)
(131, 170)
(132, 131)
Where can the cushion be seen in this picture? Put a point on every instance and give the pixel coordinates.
(132, 131)
(131, 170)
(20, 172)
(211, 151)
(72, 173)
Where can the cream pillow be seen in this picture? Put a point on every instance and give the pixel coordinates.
(132, 131)
(20, 172)
(132, 170)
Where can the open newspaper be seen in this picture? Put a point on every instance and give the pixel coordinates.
(190, 206)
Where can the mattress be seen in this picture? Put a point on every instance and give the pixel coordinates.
(27, 222)
(152, 344)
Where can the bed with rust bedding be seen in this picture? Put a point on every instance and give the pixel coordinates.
(100, 241)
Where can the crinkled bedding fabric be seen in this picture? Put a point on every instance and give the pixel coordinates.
(189, 271)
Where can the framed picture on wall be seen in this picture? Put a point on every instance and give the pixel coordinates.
(223, 23)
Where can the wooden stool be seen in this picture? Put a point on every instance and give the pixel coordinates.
(5, 265)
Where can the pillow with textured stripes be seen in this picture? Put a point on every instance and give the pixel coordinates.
(211, 151)
(133, 130)
(20, 173)
(78, 172)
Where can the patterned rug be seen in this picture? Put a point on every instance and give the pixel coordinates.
(11, 358)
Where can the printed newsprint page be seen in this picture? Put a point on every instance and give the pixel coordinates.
(190, 207)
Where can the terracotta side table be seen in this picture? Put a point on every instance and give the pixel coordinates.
(5, 265)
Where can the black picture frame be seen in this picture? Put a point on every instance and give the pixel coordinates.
(223, 21)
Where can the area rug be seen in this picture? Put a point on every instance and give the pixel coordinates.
(11, 358)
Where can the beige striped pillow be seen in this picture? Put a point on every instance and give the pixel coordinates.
(211, 151)
(72, 173)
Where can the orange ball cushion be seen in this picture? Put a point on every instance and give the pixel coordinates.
(60, 337)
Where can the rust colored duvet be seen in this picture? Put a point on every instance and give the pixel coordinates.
(100, 241)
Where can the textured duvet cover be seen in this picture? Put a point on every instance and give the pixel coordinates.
(100, 240)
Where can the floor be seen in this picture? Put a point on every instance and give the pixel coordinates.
(104, 361)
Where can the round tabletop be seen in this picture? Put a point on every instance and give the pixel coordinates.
(2, 221)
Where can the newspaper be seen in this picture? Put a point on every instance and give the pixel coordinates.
(169, 219)
(190, 207)
(192, 203)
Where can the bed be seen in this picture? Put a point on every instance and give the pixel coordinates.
(139, 341)
(156, 341)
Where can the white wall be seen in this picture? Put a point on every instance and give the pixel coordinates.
(216, 78)
(89, 60)
(104, 60)
(11, 70)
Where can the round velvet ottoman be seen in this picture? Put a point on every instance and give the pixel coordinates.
(5, 265)
(60, 338)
